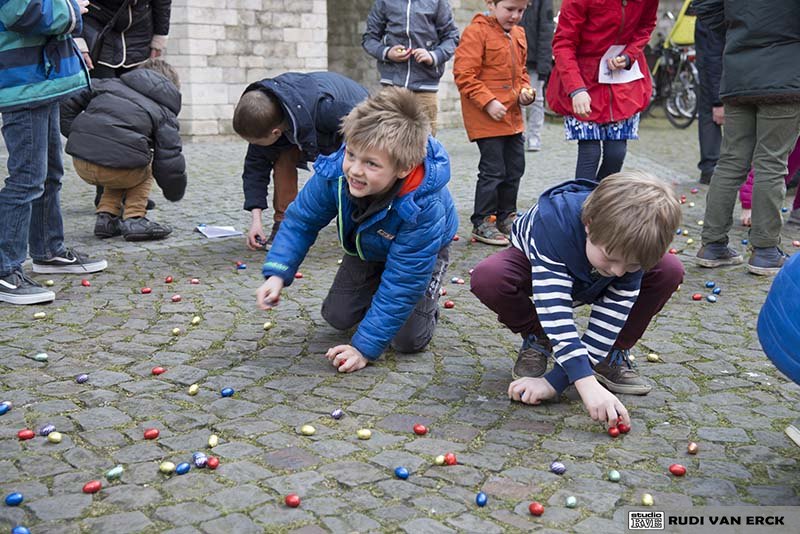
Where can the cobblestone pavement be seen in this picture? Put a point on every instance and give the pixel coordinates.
(714, 386)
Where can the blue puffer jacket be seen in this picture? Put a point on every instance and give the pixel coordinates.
(407, 235)
(39, 61)
(779, 320)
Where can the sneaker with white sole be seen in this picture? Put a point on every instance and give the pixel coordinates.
(16, 288)
(69, 262)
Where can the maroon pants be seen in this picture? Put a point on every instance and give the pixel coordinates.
(503, 283)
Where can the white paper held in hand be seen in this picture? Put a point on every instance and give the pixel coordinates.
(607, 75)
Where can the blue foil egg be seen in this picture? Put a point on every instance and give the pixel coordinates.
(717, 290)
(710, 284)
(183, 468)
(46, 430)
(227, 392)
(401, 473)
(558, 468)
(14, 499)
(744, 241)
(4, 408)
(199, 459)
(242, 267)
(19, 529)
(81, 378)
(481, 499)
(784, 209)
(337, 413)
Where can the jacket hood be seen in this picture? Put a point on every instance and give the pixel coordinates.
(486, 20)
(155, 86)
(564, 204)
(297, 94)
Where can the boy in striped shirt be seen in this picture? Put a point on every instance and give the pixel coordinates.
(602, 244)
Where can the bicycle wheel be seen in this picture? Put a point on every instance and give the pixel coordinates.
(681, 105)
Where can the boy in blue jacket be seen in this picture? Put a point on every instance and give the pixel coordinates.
(584, 243)
(387, 188)
(40, 65)
(288, 120)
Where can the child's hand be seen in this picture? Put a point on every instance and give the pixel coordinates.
(746, 217)
(398, 54)
(496, 110)
(617, 63)
(422, 56)
(526, 96)
(269, 294)
(255, 234)
(582, 104)
(346, 358)
(601, 403)
(530, 390)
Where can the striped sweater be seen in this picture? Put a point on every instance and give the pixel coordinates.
(39, 61)
(553, 238)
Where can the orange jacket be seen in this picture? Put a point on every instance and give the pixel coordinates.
(490, 64)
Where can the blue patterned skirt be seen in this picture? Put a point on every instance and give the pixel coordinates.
(610, 131)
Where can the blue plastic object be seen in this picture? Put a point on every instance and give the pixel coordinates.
(778, 324)
(481, 499)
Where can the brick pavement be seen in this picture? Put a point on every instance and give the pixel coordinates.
(713, 386)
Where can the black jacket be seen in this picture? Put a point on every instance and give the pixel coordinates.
(126, 123)
(128, 42)
(762, 47)
(539, 27)
(315, 104)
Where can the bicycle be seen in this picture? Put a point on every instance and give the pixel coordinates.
(673, 72)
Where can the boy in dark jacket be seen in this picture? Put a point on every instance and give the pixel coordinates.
(412, 41)
(387, 189)
(288, 120)
(121, 134)
(583, 243)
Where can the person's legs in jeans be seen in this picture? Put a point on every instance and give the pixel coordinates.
(588, 159)
(534, 114)
(350, 295)
(613, 157)
(508, 190)
(736, 155)
(418, 329)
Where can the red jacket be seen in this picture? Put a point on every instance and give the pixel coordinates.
(490, 64)
(586, 29)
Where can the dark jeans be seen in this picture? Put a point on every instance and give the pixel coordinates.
(589, 153)
(709, 69)
(501, 166)
(354, 285)
(30, 211)
(502, 282)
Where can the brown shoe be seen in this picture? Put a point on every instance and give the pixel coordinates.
(532, 358)
(619, 376)
(488, 233)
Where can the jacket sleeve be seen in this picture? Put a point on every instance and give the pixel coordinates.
(467, 68)
(258, 165)
(57, 17)
(447, 33)
(169, 166)
(565, 44)
(544, 44)
(711, 12)
(310, 212)
(641, 35)
(409, 266)
(71, 107)
(372, 40)
(161, 10)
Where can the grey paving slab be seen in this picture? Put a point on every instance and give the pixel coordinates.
(714, 386)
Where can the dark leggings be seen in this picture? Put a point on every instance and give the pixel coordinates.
(589, 152)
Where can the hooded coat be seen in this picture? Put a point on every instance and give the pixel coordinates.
(407, 235)
(127, 123)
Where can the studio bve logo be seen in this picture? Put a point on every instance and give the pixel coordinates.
(646, 520)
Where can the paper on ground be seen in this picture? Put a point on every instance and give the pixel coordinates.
(621, 75)
(211, 231)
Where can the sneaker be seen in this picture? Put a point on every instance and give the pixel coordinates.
(106, 225)
(143, 229)
(505, 225)
(533, 146)
(766, 261)
(488, 233)
(275, 227)
(705, 177)
(618, 376)
(718, 254)
(794, 218)
(69, 262)
(532, 358)
(16, 288)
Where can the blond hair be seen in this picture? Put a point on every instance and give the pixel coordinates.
(392, 121)
(257, 114)
(165, 69)
(632, 214)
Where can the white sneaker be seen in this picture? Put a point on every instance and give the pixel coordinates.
(16, 288)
